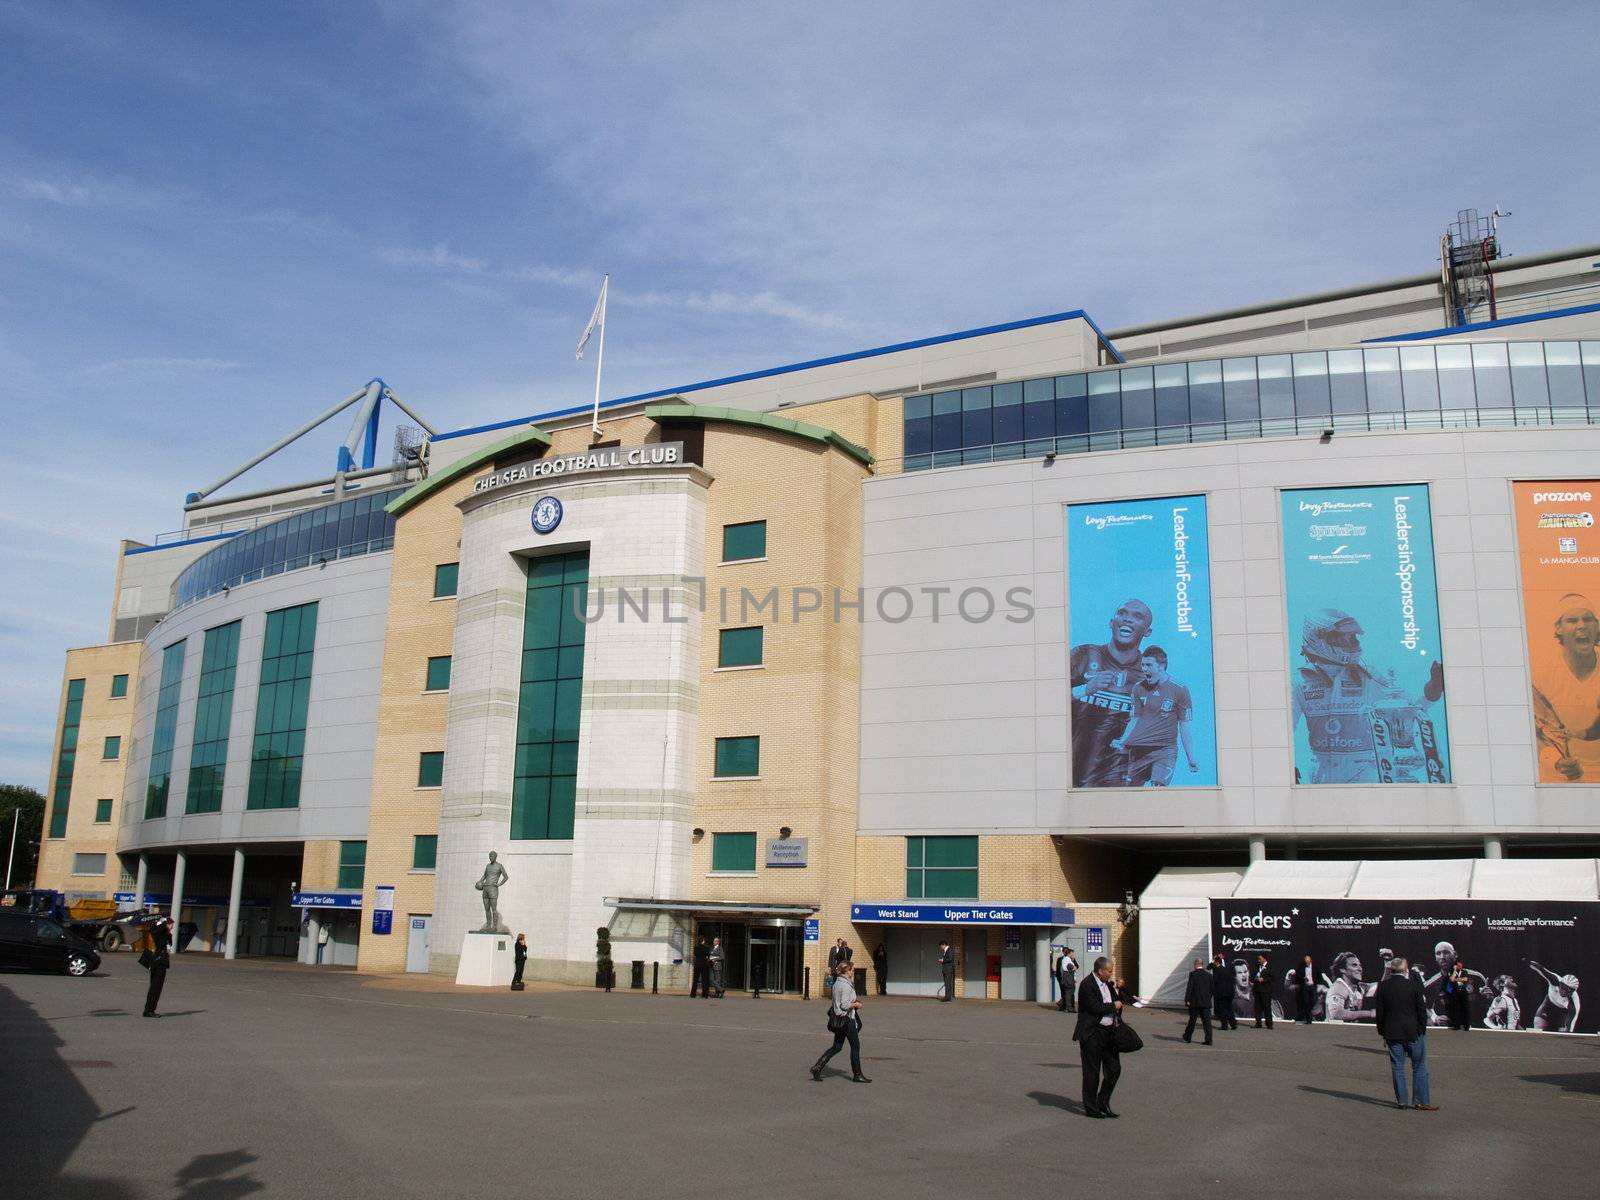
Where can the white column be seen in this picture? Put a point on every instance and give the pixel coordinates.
(235, 895)
(1494, 847)
(313, 931)
(1043, 991)
(1258, 848)
(140, 878)
(179, 869)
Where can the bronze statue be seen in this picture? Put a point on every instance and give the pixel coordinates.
(493, 876)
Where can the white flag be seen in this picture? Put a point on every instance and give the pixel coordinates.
(597, 319)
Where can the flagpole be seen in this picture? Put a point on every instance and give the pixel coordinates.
(600, 354)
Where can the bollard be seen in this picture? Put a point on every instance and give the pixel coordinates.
(757, 975)
(655, 979)
(805, 993)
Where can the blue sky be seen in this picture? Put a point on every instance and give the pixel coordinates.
(216, 220)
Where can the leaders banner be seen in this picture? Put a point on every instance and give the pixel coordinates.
(1364, 614)
(1560, 552)
(1521, 964)
(1139, 606)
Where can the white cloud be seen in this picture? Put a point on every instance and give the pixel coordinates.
(439, 256)
(162, 363)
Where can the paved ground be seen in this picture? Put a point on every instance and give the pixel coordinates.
(283, 1080)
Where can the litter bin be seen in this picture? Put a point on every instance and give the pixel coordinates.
(638, 974)
(861, 981)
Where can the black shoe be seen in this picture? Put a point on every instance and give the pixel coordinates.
(1106, 1112)
(157, 1015)
(1205, 1043)
(1095, 1113)
(858, 1077)
(816, 1072)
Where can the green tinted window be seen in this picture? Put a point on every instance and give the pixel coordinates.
(159, 784)
(213, 719)
(424, 851)
(748, 540)
(738, 756)
(549, 709)
(102, 812)
(113, 748)
(430, 769)
(733, 852)
(439, 674)
(66, 758)
(740, 647)
(352, 864)
(942, 868)
(278, 750)
(444, 579)
(119, 686)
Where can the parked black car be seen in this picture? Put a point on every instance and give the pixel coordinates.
(31, 942)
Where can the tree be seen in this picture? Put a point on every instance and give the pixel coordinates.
(16, 797)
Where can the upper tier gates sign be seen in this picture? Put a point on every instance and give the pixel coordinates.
(601, 458)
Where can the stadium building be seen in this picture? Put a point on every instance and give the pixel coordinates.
(969, 637)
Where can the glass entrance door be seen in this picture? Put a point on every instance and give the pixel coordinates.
(770, 956)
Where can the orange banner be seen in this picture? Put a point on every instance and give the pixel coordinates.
(1560, 551)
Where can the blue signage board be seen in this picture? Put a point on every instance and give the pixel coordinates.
(324, 900)
(1095, 941)
(192, 900)
(813, 929)
(1368, 677)
(382, 920)
(918, 912)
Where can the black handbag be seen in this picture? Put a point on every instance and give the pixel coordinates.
(147, 959)
(836, 1021)
(1125, 1038)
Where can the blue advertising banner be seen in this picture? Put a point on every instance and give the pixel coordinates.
(1139, 614)
(916, 912)
(1368, 674)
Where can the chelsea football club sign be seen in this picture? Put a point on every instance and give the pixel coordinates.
(546, 514)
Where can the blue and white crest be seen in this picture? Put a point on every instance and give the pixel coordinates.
(546, 514)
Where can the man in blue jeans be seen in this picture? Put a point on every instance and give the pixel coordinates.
(1402, 1012)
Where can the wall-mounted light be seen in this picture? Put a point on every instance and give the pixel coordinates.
(698, 834)
(1049, 456)
(1127, 911)
(785, 832)
(1327, 436)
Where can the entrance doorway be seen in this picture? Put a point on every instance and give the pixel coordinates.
(768, 953)
(417, 942)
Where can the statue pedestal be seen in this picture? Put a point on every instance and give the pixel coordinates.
(486, 960)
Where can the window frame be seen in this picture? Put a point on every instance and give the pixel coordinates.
(109, 806)
(744, 558)
(433, 855)
(347, 865)
(917, 866)
(760, 648)
(428, 683)
(116, 681)
(112, 750)
(716, 756)
(455, 581)
(727, 840)
(425, 760)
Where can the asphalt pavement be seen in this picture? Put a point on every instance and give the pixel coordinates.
(275, 1079)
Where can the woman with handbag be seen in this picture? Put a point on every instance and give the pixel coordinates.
(157, 959)
(844, 1022)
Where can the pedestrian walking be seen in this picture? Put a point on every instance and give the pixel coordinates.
(700, 981)
(1095, 1033)
(1402, 1015)
(1198, 997)
(837, 953)
(1067, 972)
(1305, 991)
(1222, 992)
(716, 958)
(1261, 986)
(158, 959)
(322, 940)
(844, 1022)
(947, 968)
(880, 968)
(520, 951)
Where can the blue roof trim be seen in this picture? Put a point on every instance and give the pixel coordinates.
(1500, 324)
(212, 537)
(854, 356)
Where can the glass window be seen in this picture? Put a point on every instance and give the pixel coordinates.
(444, 579)
(1072, 405)
(1241, 401)
(947, 421)
(1172, 395)
(1105, 402)
(119, 686)
(282, 703)
(208, 757)
(744, 541)
(737, 757)
(1039, 414)
(113, 748)
(1419, 380)
(1489, 369)
(942, 868)
(1205, 392)
(1590, 353)
(438, 679)
(733, 852)
(88, 864)
(66, 758)
(1529, 387)
(102, 812)
(1311, 397)
(1138, 399)
(1456, 390)
(549, 711)
(1346, 382)
(424, 852)
(352, 864)
(430, 769)
(740, 647)
(1383, 379)
(1276, 373)
(917, 416)
(1008, 429)
(1565, 374)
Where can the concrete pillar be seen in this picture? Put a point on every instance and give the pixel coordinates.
(1494, 847)
(140, 879)
(180, 867)
(1258, 848)
(1043, 989)
(314, 920)
(235, 895)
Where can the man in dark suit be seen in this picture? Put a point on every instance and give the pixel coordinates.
(1261, 986)
(1305, 991)
(947, 968)
(1222, 991)
(1067, 978)
(700, 981)
(1098, 1009)
(1402, 1019)
(161, 960)
(1198, 998)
